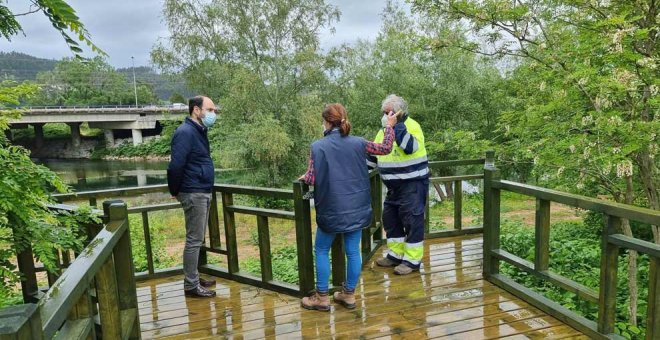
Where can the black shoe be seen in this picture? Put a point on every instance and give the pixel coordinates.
(200, 292)
(206, 283)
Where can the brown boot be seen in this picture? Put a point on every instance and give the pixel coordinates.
(346, 298)
(318, 301)
(387, 262)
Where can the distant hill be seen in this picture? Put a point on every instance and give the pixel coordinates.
(20, 66)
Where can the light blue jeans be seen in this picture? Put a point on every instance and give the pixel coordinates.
(354, 260)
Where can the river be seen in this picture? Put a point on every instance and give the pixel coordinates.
(84, 175)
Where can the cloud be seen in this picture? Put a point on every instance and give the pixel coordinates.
(125, 28)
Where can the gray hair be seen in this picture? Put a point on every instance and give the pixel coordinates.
(397, 103)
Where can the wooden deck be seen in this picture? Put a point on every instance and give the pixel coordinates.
(448, 299)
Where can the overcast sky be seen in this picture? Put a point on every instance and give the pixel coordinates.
(125, 28)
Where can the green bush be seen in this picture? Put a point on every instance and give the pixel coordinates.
(285, 265)
(158, 243)
(582, 266)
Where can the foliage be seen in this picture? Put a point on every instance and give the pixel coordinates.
(61, 16)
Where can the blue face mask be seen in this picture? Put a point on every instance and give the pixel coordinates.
(209, 118)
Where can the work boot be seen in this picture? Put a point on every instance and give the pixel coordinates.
(387, 262)
(318, 301)
(346, 298)
(404, 269)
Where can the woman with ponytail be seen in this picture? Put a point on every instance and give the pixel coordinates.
(338, 170)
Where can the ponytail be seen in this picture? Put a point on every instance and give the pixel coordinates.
(336, 115)
(345, 127)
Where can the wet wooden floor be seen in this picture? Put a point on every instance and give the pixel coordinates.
(448, 299)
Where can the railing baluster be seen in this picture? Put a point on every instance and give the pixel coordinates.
(653, 309)
(491, 216)
(608, 274)
(29, 286)
(214, 223)
(303, 238)
(264, 249)
(147, 242)
(458, 205)
(230, 233)
(542, 238)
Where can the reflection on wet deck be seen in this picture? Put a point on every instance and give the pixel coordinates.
(448, 299)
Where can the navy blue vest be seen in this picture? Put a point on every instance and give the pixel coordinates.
(341, 188)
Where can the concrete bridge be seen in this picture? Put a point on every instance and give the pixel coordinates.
(108, 118)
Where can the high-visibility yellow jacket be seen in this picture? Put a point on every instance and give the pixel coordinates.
(408, 160)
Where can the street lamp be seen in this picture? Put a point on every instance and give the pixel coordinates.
(134, 85)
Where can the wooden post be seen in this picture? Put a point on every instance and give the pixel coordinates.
(303, 238)
(264, 249)
(458, 205)
(20, 322)
(542, 236)
(125, 269)
(230, 233)
(147, 242)
(338, 261)
(83, 310)
(491, 216)
(608, 272)
(653, 309)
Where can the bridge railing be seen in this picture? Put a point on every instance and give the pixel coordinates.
(98, 283)
(611, 243)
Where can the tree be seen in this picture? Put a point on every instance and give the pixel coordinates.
(25, 187)
(61, 16)
(261, 60)
(586, 104)
(89, 82)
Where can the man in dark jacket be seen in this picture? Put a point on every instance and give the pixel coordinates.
(190, 177)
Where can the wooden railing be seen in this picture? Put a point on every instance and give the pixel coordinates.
(612, 242)
(87, 288)
(301, 215)
(458, 194)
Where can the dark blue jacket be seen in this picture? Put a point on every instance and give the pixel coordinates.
(341, 185)
(191, 167)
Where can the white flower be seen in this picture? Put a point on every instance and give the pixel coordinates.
(616, 150)
(580, 186)
(587, 120)
(586, 153)
(615, 120)
(536, 160)
(582, 81)
(572, 148)
(624, 169)
(560, 171)
(542, 86)
(607, 169)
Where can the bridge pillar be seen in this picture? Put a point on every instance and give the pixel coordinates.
(75, 134)
(38, 135)
(109, 138)
(137, 136)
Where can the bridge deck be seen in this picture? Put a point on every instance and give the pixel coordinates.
(448, 299)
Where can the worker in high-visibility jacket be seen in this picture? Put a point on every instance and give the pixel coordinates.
(405, 173)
